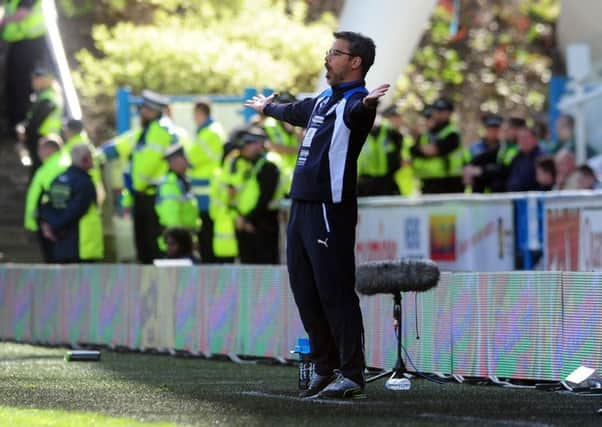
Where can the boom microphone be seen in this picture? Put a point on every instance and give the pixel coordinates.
(392, 277)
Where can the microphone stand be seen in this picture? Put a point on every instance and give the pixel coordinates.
(400, 368)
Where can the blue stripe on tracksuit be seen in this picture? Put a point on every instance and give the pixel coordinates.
(321, 230)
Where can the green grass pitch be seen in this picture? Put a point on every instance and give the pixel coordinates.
(38, 388)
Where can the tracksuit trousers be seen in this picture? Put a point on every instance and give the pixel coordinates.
(321, 266)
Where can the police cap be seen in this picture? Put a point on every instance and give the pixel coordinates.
(154, 100)
(41, 71)
(74, 125)
(492, 121)
(252, 134)
(443, 104)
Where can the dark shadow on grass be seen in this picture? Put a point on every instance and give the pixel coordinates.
(192, 390)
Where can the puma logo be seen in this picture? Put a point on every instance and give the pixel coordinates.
(323, 242)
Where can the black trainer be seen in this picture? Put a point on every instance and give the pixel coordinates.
(317, 384)
(343, 388)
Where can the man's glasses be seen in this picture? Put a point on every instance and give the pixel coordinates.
(336, 52)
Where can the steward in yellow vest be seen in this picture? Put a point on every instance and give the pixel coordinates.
(257, 201)
(176, 204)
(22, 30)
(145, 148)
(224, 183)
(438, 156)
(53, 164)
(380, 158)
(205, 153)
(70, 217)
(45, 115)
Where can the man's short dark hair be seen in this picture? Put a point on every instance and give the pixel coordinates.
(569, 119)
(183, 239)
(547, 164)
(517, 122)
(587, 171)
(359, 45)
(204, 106)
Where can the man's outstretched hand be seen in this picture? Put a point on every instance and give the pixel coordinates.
(259, 102)
(371, 100)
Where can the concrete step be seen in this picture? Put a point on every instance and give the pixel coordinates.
(16, 245)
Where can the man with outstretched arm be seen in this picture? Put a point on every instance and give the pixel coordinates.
(321, 230)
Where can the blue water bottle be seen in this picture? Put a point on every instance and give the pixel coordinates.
(306, 366)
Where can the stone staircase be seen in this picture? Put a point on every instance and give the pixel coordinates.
(16, 245)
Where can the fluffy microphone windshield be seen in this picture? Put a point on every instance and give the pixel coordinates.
(391, 277)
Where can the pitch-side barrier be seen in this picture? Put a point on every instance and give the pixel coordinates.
(524, 325)
(558, 231)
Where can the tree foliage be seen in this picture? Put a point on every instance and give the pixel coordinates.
(208, 47)
(499, 60)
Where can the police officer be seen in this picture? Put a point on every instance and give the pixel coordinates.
(491, 137)
(53, 164)
(481, 153)
(438, 156)
(45, 115)
(256, 201)
(380, 158)
(204, 152)
(70, 216)
(145, 148)
(489, 171)
(176, 204)
(23, 30)
(321, 230)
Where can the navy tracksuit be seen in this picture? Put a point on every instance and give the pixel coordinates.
(321, 230)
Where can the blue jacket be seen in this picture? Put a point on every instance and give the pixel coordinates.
(522, 172)
(70, 197)
(337, 126)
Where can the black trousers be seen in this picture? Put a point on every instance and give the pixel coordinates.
(146, 228)
(206, 239)
(260, 247)
(21, 59)
(376, 186)
(321, 267)
(442, 185)
(46, 248)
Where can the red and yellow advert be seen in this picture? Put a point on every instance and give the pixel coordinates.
(443, 237)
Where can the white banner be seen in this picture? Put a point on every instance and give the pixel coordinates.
(459, 236)
(386, 233)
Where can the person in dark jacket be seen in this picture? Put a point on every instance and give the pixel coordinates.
(323, 216)
(522, 176)
(70, 217)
